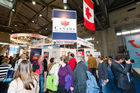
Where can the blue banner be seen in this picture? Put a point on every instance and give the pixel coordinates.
(62, 13)
(64, 36)
(133, 46)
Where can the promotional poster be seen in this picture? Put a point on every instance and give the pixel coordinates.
(133, 47)
(35, 52)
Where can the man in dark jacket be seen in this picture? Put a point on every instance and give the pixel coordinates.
(80, 76)
(122, 75)
(103, 74)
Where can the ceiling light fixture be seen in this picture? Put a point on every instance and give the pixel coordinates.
(33, 2)
(13, 10)
(89, 39)
(40, 15)
(65, 7)
(128, 32)
(33, 21)
(64, 1)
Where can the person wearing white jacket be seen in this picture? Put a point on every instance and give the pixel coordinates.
(54, 71)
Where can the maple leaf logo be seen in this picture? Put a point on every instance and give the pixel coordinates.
(88, 13)
(64, 23)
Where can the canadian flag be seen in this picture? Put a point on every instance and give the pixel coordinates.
(88, 8)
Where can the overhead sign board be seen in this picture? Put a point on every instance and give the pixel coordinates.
(64, 25)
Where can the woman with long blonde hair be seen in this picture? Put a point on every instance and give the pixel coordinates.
(25, 80)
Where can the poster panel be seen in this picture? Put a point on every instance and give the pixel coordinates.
(133, 47)
(35, 52)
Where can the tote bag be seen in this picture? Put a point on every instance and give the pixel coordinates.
(50, 83)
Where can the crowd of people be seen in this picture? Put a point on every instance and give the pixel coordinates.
(69, 74)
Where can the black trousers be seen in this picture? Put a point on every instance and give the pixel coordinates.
(61, 89)
(4, 87)
(130, 90)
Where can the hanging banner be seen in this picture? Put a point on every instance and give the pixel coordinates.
(88, 9)
(133, 46)
(64, 25)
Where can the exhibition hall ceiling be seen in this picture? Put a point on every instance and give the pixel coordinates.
(36, 17)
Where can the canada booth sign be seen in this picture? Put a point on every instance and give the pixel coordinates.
(64, 25)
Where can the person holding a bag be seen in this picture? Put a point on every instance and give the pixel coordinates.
(65, 75)
(25, 80)
(50, 75)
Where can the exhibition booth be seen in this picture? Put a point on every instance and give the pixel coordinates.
(64, 34)
(35, 44)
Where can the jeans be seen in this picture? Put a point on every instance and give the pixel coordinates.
(41, 83)
(112, 87)
(103, 89)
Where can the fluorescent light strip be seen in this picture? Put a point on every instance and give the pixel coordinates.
(2, 43)
(88, 39)
(128, 32)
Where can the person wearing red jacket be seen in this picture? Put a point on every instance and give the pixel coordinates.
(72, 62)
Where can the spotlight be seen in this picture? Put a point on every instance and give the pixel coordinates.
(65, 7)
(13, 10)
(40, 15)
(33, 2)
(33, 21)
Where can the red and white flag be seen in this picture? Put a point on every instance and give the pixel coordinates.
(88, 8)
